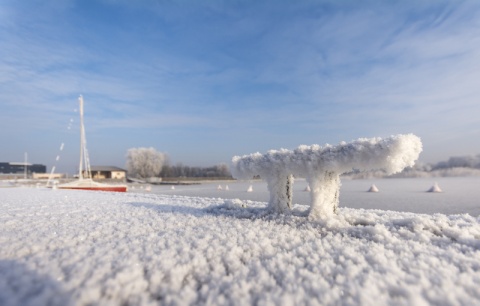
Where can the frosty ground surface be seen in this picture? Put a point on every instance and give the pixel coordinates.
(60, 247)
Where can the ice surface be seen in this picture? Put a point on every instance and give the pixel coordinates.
(60, 247)
(460, 194)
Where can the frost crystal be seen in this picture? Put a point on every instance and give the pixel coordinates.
(322, 167)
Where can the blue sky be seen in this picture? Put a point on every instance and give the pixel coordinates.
(206, 80)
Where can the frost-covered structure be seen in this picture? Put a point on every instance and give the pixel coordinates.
(322, 166)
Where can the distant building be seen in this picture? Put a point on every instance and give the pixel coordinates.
(108, 172)
(19, 168)
(46, 176)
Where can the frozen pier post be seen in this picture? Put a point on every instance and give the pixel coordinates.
(322, 167)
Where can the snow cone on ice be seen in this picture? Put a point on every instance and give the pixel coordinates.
(435, 188)
(373, 188)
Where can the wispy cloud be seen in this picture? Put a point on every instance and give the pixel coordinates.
(284, 73)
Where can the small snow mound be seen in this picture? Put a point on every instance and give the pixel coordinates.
(373, 188)
(307, 189)
(435, 188)
(234, 204)
(226, 187)
(173, 187)
(250, 188)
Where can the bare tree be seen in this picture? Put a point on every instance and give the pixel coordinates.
(144, 163)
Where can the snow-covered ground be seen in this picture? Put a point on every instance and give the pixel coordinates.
(61, 247)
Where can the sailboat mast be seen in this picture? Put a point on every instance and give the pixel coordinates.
(82, 138)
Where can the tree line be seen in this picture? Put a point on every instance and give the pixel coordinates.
(143, 163)
(181, 170)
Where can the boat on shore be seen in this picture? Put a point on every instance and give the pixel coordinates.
(89, 184)
(85, 181)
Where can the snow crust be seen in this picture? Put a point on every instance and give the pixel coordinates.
(65, 247)
(322, 167)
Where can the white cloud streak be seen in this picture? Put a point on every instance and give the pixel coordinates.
(323, 72)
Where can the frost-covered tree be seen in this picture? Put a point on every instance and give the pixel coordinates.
(322, 166)
(144, 163)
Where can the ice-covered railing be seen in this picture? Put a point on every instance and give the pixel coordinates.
(322, 166)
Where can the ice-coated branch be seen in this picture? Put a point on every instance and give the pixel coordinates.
(322, 167)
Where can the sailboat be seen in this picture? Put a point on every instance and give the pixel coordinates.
(85, 181)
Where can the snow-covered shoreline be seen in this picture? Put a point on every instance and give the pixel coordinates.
(76, 247)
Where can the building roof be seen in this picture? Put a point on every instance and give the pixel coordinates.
(19, 164)
(106, 168)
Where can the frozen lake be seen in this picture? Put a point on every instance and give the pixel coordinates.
(460, 194)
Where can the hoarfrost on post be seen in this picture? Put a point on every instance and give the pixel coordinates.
(322, 167)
